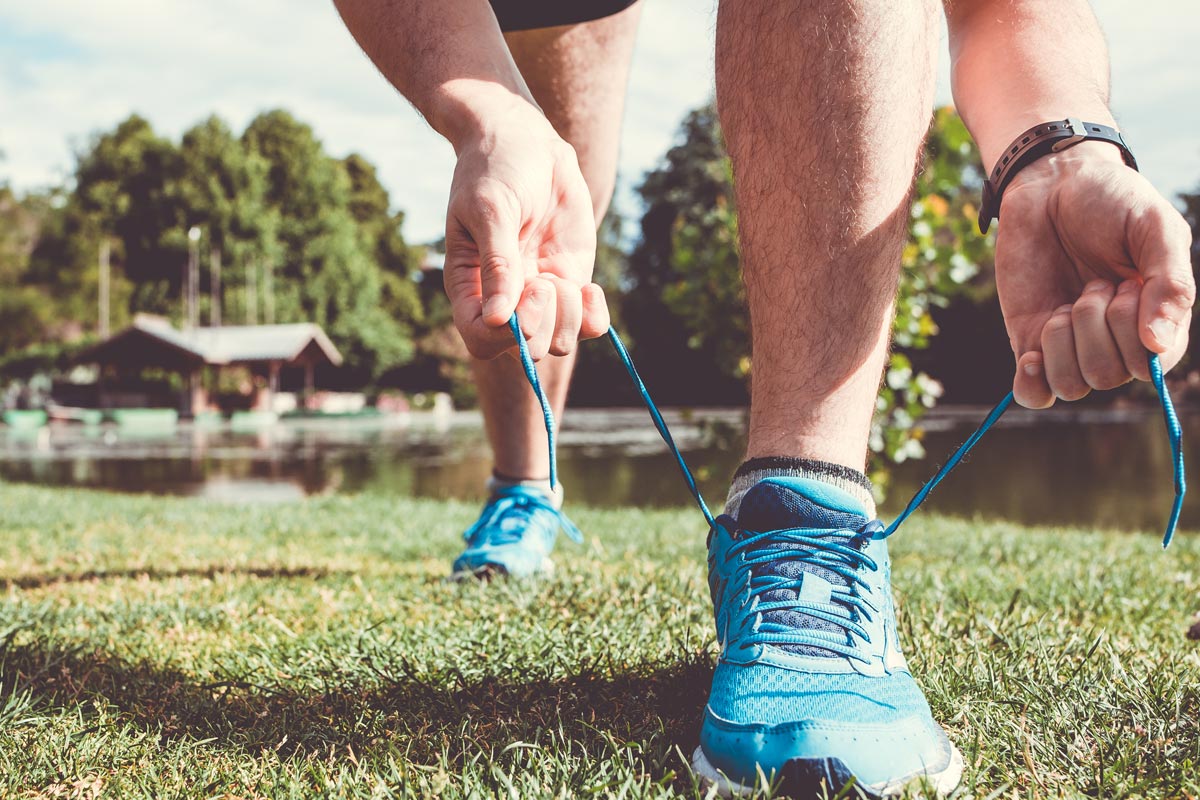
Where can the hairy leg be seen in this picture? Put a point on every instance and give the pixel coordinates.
(577, 74)
(824, 106)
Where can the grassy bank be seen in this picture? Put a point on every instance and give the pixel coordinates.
(170, 647)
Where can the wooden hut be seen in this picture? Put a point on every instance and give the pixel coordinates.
(153, 343)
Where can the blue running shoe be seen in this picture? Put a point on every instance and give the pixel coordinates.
(811, 688)
(514, 535)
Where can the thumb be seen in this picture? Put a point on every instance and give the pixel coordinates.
(501, 271)
(1030, 387)
(1160, 243)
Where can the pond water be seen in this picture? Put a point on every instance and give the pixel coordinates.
(1109, 469)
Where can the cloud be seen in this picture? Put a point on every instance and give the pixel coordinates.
(68, 69)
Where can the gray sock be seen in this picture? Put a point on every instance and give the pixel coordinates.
(851, 481)
(495, 484)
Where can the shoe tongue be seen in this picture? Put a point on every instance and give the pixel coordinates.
(776, 503)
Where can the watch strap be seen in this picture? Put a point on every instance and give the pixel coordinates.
(1041, 139)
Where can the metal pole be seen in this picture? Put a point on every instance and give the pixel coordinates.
(192, 284)
(252, 293)
(184, 284)
(214, 286)
(269, 293)
(104, 289)
(194, 306)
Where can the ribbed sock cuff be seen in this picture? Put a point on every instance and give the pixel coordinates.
(851, 481)
(496, 483)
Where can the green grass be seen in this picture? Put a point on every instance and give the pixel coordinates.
(174, 648)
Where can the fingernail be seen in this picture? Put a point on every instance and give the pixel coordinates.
(1097, 286)
(1127, 286)
(1164, 331)
(1033, 369)
(493, 306)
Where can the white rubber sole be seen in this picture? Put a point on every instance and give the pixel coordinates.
(489, 571)
(943, 781)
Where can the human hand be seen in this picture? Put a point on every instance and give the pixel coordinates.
(521, 236)
(1093, 269)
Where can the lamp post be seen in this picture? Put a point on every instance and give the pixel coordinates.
(214, 286)
(192, 284)
(105, 246)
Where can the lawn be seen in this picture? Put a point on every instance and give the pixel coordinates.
(159, 647)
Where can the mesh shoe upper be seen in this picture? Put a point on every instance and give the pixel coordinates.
(769, 695)
(810, 669)
(772, 505)
(515, 532)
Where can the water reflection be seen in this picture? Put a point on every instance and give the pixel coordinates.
(1096, 468)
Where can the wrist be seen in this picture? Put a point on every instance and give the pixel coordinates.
(1050, 150)
(467, 110)
(995, 141)
(1053, 166)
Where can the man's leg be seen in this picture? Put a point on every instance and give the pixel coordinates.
(577, 74)
(824, 106)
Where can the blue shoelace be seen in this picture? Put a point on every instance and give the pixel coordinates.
(522, 503)
(1174, 432)
(834, 551)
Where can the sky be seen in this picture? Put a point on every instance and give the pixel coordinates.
(69, 69)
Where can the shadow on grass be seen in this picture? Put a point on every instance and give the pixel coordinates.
(57, 578)
(389, 706)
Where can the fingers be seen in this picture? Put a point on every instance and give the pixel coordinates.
(540, 334)
(1029, 384)
(596, 320)
(1089, 344)
(485, 341)
(495, 229)
(1160, 242)
(580, 313)
(1062, 363)
(554, 313)
(1100, 362)
(1122, 318)
(568, 316)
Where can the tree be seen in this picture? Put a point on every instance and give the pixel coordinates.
(24, 312)
(123, 191)
(371, 209)
(271, 201)
(685, 307)
(327, 263)
(221, 189)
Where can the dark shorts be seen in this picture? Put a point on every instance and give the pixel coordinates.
(522, 15)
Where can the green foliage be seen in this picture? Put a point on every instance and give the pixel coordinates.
(944, 253)
(310, 237)
(23, 311)
(686, 307)
(221, 190)
(689, 250)
(44, 358)
(327, 269)
(688, 262)
(124, 191)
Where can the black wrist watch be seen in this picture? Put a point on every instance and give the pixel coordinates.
(1048, 137)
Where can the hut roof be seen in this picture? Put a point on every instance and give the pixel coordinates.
(154, 341)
